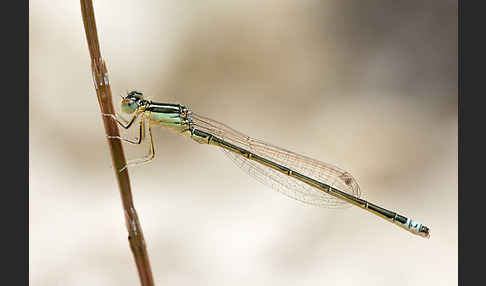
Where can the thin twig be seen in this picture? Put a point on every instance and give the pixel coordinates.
(103, 91)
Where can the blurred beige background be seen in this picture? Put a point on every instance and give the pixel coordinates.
(370, 86)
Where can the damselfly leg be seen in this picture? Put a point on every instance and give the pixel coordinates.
(121, 120)
(126, 125)
(147, 158)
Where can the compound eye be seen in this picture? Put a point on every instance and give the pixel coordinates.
(128, 106)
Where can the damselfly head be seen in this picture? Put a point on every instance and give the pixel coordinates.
(132, 101)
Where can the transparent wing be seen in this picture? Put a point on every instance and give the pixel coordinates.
(283, 183)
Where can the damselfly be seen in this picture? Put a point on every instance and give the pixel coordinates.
(297, 176)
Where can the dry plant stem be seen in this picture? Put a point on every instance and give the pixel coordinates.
(103, 91)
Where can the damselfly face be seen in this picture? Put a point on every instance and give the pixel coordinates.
(131, 102)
